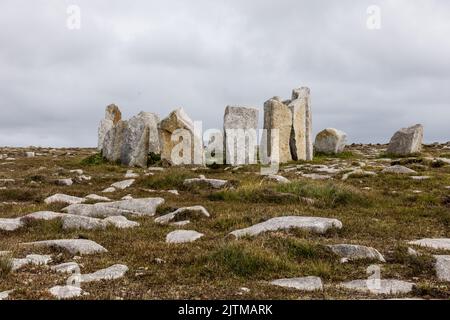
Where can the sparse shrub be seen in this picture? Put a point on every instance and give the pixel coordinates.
(94, 160)
(153, 159)
(5, 266)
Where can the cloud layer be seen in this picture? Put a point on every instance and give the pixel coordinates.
(203, 55)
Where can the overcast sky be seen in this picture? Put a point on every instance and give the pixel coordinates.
(205, 54)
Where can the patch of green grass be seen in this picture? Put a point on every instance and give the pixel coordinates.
(329, 194)
(94, 160)
(342, 155)
(166, 180)
(5, 266)
(299, 250)
(420, 265)
(254, 194)
(247, 262)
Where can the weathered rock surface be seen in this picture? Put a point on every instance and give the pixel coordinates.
(112, 116)
(240, 125)
(112, 144)
(65, 292)
(312, 224)
(71, 221)
(398, 169)
(442, 267)
(73, 246)
(95, 197)
(277, 178)
(440, 244)
(203, 181)
(10, 224)
(64, 198)
(120, 222)
(177, 125)
(65, 182)
(140, 137)
(331, 141)
(5, 294)
(139, 207)
(43, 215)
(123, 184)
(355, 252)
(303, 284)
(406, 141)
(182, 211)
(114, 272)
(183, 236)
(386, 286)
(278, 118)
(68, 267)
(301, 137)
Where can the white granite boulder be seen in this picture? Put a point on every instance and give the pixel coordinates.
(438, 243)
(442, 267)
(183, 236)
(356, 252)
(382, 286)
(303, 283)
(185, 210)
(63, 198)
(111, 273)
(330, 141)
(73, 246)
(406, 141)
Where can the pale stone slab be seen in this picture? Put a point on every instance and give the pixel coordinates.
(123, 184)
(439, 243)
(111, 273)
(183, 236)
(312, 224)
(303, 283)
(386, 286)
(73, 246)
(65, 292)
(171, 216)
(355, 252)
(64, 198)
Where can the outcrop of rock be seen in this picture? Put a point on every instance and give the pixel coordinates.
(330, 141)
(313, 224)
(182, 211)
(183, 236)
(178, 126)
(398, 169)
(65, 292)
(278, 117)
(140, 137)
(112, 144)
(438, 243)
(406, 141)
(203, 181)
(443, 267)
(111, 273)
(240, 136)
(112, 116)
(73, 246)
(386, 286)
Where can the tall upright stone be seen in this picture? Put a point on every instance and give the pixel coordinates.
(112, 145)
(180, 143)
(301, 137)
(277, 116)
(407, 141)
(140, 137)
(240, 136)
(112, 117)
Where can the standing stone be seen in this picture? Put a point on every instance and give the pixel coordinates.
(301, 136)
(112, 117)
(278, 116)
(406, 141)
(178, 125)
(240, 125)
(140, 137)
(112, 145)
(331, 141)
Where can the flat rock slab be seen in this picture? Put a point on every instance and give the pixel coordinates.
(123, 184)
(315, 176)
(63, 198)
(397, 169)
(139, 207)
(114, 272)
(10, 224)
(355, 252)
(443, 267)
(5, 294)
(95, 197)
(173, 215)
(202, 181)
(68, 267)
(73, 246)
(386, 286)
(312, 224)
(183, 236)
(43, 215)
(303, 284)
(440, 244)
(72, 221)
(277, 178)
(121, 222)
(35, 259)
(65, 292)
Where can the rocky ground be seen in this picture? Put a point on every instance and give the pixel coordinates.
(365, 208)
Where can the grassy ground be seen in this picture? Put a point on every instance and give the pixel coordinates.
(383, 211)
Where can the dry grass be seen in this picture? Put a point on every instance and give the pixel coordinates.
(216, 266)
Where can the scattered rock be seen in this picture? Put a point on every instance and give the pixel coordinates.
(398, 169)
(65, 182)
(312, 224)
(5, 294)
(303, 284)
(42, 215)
(442, 267)
(439, 244)
(420, 177)
(331, 141)
(130, 175)
(95, 197)
(73, 246)
(183, 236)
(109, 190)
(173, 215)
(114, 272)
(68, 267)
(123, 184)
(406, 141)
(386, 286)
(64, 199)
(315, 176)
(10, 224)
(30, 154)
(202, 181)
(277, 178)
(121, 222)
(355, 252)
(65, 292)
(71, 221)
